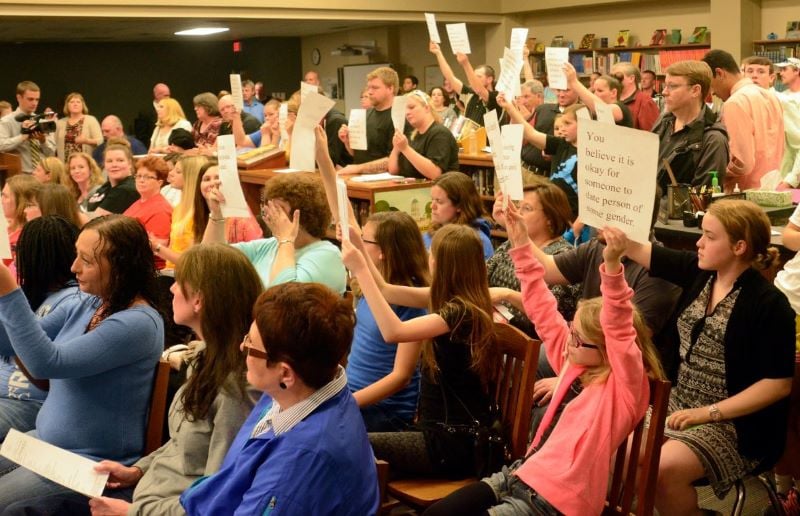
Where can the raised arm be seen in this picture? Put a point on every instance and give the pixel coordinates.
(239, 136)
(636, 251)
(527, 72)
(587, 97)
(474, 82)
(215, 230)
(405, 363)
(531, 135)
(391, 327)
(444, 66)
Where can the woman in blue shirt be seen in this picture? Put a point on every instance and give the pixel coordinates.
(99, 353)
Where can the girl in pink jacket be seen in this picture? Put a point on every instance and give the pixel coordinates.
(608, 349)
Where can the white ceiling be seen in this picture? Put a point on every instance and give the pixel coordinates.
(42, 29)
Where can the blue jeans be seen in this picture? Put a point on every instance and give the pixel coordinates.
(377, 419)
(17, 484)
(17, 414)
(72, 503)
(515, 497)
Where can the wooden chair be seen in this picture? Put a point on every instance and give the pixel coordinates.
(10, 165)
(513, 394)
(624, 484)
(158, 409)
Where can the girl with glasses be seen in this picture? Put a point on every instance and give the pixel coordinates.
(608, 349)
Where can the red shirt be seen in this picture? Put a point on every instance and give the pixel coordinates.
(155, 214)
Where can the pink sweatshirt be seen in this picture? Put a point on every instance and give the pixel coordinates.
(571, 470)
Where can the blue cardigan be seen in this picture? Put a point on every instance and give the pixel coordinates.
(100, 381)
(322, 466)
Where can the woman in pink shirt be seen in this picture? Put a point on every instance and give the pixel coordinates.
(608, 349)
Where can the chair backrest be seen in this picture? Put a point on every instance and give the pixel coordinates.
(10, 165)
(514, 386)
(636, 460)
(158, 409)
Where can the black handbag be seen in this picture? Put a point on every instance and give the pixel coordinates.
(473, 449)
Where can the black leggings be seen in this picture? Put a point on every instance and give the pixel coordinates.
(472, 500)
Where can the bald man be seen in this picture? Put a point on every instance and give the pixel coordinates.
(146, 119)
(112, 128)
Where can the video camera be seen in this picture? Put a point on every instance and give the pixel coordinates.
(41, 123)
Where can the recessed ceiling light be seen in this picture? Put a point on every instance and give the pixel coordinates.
(202, 31)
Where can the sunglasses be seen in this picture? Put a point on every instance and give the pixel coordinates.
(250, 351)
(577, 342)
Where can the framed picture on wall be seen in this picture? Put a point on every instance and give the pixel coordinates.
(793, 30)
(433, 77)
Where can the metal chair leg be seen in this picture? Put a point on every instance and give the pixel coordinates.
(738, 505)
(767, 481)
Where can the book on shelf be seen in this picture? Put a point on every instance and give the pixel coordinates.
(484, 180)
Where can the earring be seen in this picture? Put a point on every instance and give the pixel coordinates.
(282, 385)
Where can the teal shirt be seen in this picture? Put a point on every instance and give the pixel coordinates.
(319, 262)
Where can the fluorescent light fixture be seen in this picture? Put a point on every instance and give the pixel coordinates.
(202, 31)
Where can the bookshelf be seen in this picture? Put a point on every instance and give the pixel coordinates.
(777, 49)
(481, 168)
(656, 58)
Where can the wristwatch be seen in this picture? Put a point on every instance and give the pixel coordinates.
(715, 413)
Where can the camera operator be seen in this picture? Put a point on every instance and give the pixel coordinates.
(20, 134)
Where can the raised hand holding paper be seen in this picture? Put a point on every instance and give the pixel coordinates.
(519, 36)
(555, 57)
(53, 463)
(433, 31)
(236, 91)
(617, 177)
(342, 201)
(312, 109)
(357, 129)
(235, 204)
(399, 112)
(510, 171)
(459, 40)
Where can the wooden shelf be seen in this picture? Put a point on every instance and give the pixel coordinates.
(776, 41)
(611, 50)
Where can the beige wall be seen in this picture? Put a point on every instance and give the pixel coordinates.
(775, 14)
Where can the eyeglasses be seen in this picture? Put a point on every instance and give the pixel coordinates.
(142, 177)
(577, 342)
(251, 351)
(671, 86)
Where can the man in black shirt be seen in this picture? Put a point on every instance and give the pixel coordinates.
(481, 85)
(382, 85)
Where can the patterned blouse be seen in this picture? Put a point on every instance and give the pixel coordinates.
(72, 132)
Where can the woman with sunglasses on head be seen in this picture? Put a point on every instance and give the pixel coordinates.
(607, 348)
(99, 354)
(728, 409)
(430, 150)
(213, 294)
(303, 450)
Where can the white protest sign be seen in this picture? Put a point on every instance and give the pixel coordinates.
(459, 40)
(510, 172)
(341, 203)
(399, 112)
(492, 126)
(617, 177)
(433, 31)
(510, 67)
(357, 129)
(5, 245)
(235, 204)
(555, 57)
(236, 91)
(283, 114)
(312, 109)
(519, 36)
(604, 113)
(53, 463)
(305, 89)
